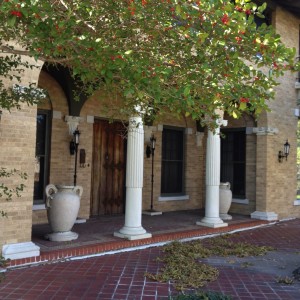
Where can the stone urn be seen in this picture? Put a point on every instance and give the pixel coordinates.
(225, 200)
(62, 205)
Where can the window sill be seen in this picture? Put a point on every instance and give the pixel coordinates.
(38, 207)
(173, 198)
(240, 201)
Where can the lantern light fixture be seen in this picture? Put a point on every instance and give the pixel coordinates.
(285, 153)
(76, 142)
(76, 136)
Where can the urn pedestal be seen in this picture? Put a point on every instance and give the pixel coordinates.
(225, 200)
(62, 205)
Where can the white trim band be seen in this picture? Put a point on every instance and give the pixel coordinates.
(173, 198)
(240, 201)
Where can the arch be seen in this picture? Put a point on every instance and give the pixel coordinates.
(57, 98)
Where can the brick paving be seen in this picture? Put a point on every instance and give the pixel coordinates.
(121, 275)
(96, 235)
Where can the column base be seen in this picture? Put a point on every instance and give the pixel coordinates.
(20, 250)
(264, 215)
(61, 236)
(130, 233)
(212, 222)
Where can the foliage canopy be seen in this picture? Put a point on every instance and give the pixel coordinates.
(187, 57)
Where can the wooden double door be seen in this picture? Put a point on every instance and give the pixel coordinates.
(108, 172)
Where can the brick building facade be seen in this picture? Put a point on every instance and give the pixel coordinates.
(265, 188)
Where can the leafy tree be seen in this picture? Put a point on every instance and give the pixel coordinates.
(184, 57)
(7, 192)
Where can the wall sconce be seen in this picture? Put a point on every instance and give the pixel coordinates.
(151, 147)
(285, 153)
(76, 142)
(150, 151)
(76, 136)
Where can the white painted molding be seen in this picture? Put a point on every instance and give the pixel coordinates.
(189, 131)
(20, 250)
(160, 127)
(264, 215)
(38, 207)
(148, 130)
(296, 202)
(265, 130)
(173, 198)
(249, 130)
(240, 201)
(90, 119)
(73, 123)
(199, 138)
(56, 114)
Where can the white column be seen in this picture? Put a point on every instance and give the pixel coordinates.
(133, 229)
(213, 167)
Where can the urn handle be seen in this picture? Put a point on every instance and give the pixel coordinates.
(78, 190)
(50, 190)
(225, 185)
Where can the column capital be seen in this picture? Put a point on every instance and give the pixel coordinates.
(135, 122)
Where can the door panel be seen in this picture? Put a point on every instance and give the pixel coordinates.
(108, 179)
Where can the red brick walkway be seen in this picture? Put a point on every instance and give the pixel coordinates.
(121, 275)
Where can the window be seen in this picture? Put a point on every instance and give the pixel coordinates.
(172, 182)
(41, 173)
(233, 160)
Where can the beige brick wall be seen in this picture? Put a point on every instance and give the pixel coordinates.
(17, 151)
(270, 185)
(276, 182)
(194, 175)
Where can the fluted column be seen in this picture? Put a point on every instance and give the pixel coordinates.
(133, 229)
(213, 167)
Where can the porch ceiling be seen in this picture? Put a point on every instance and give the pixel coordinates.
(290, 5)
(71, 88)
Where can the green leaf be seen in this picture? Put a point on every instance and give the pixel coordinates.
(243, 105)
(12, 21)
(186, 90)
